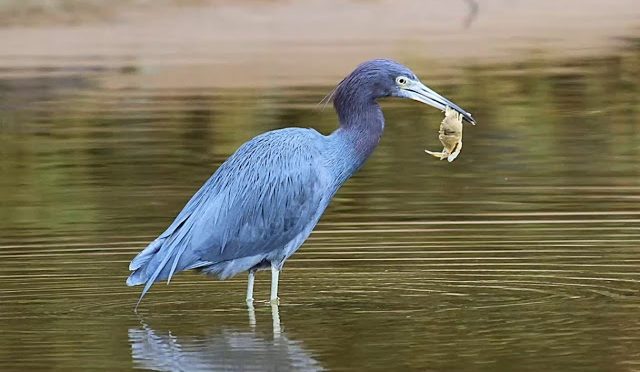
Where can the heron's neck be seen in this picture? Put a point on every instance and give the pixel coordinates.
(362, 126)
(357, 136)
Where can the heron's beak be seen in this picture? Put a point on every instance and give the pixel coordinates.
(421, 93)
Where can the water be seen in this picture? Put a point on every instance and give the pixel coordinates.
(523, 254)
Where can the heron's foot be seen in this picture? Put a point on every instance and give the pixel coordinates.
(275, 301)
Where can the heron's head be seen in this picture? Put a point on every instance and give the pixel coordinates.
(380, 78)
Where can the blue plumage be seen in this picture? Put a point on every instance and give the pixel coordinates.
(263, 202)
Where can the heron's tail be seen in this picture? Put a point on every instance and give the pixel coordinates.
(152, 264)
(139, 263)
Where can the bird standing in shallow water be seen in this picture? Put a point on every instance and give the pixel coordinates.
(263, 202)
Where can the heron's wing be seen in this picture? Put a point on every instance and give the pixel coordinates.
(262, 198)
(270, 191)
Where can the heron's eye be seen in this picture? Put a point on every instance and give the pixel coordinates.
(402, 81)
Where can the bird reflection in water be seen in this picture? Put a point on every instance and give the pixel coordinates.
(220, 349)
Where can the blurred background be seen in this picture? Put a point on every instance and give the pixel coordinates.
(521, 255)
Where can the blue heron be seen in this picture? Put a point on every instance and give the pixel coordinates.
(263, 202)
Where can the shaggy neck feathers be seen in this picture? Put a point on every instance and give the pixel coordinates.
(361, 123)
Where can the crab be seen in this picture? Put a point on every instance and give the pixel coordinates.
(450, 136)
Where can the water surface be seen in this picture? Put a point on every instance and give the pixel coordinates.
(523, 254)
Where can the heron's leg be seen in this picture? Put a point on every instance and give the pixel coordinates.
(275, 317)
(252, 314)
(275, 274)
(250, 281)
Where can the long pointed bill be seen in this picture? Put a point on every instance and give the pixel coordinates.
(421, 93)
